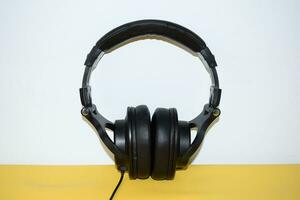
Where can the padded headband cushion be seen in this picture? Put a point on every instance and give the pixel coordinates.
(154, 27)
(165, 143)
(139, 147)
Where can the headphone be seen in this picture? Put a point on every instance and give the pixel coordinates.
(158, 146)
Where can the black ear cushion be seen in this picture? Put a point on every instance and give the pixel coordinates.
(184, 140)
(185, 136)
(139, 141)
(120, 141)
(165, 143)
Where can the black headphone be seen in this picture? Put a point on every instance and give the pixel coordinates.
(151, 147)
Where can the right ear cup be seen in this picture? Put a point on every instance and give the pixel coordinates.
(165, 143)
(132, 135)
(171, 139)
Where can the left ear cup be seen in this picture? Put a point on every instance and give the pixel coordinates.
(139, 141)
(165, 143)
(133, 136)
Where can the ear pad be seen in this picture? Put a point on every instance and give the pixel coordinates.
(165, 143)
(132, 136)
(184, 141)
(120, 141)
(138, 139)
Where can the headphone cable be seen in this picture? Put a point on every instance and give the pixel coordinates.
(117, 186)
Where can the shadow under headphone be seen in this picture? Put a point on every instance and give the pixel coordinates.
(151, 147)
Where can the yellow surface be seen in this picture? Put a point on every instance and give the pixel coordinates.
(204, 182)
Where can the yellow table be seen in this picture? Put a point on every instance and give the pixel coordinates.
(204, 182)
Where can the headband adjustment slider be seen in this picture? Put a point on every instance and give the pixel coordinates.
(209, 57)
(92, 56)
(215, 97)
(85, 96)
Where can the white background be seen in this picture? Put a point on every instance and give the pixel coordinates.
(44, 44)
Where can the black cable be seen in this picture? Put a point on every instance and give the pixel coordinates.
(119, 183)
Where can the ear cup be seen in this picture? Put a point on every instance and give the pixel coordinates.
(139, 141)
(184, 141)
(120, 141)
(165, 143)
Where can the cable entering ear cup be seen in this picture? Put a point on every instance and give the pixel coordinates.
(138, 135)
(165, 143)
